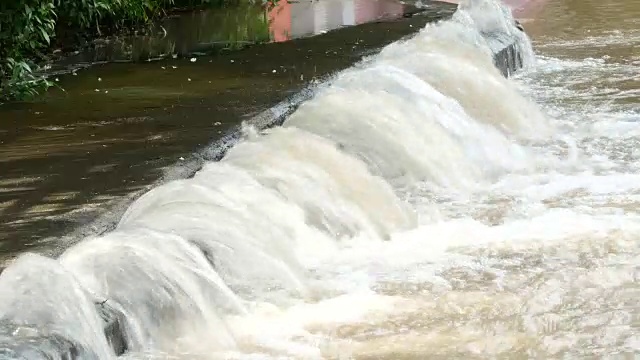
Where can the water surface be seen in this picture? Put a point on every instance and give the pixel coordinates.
(418, 206)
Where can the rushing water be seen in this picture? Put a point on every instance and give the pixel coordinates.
(419, 206)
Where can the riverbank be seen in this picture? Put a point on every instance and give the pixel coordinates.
(83, 154)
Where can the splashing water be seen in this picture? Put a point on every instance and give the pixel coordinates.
(417, 206)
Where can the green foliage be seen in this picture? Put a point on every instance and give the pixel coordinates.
(26, 28)
(93, 14)
(20, 82)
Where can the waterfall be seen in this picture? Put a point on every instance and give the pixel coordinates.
(193, 259)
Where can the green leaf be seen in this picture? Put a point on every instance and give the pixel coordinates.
(45, 35)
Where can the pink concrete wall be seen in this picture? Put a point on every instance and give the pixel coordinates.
(369, 10)
(280, 21)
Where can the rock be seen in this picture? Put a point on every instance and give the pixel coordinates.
(506, 56)
(508, 60)
(28, 342)
(519, 26)
(114, 329)
(21, 342)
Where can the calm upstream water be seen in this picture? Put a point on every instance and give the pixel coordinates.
(419, 206)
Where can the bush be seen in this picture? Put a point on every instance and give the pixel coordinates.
(26, 28)
(93, 15)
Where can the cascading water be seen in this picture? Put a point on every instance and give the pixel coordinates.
(249, 230)
(384, 219)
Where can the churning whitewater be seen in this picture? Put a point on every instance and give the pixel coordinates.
(418, 206)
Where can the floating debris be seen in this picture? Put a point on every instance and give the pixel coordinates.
(193, 59)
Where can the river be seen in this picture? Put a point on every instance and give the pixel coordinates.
(419, 206)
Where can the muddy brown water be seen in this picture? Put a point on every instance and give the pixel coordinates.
(607, 32)
(531, 292)
(116, 128)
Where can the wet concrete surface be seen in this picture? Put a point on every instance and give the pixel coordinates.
(85, 152)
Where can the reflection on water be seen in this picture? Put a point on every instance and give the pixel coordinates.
(290, 20)
(182, 35)
(214, 30)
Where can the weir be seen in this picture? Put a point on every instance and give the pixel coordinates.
(507, 57)
(133, 295)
